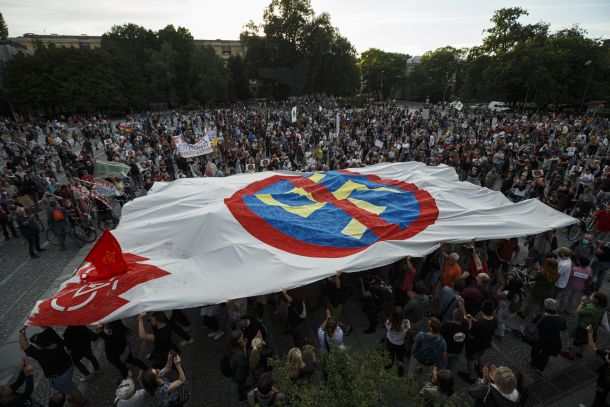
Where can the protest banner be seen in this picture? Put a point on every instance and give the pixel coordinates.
(110, 169)
(293, 114)
(201, 147)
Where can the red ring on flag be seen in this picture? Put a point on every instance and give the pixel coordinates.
(263, 231)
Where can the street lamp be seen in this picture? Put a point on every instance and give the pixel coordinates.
(588, 63)
(381, 87)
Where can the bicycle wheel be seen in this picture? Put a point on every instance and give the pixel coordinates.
(51, 238)
(85, 233)
(107, 221)
(573, 231)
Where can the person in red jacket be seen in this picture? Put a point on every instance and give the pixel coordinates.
(602, 223)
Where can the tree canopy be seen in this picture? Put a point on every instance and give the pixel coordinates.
(297, 51)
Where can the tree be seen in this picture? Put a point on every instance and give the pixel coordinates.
(209, 77)
(438, 73)
(3, 29)
(239, 82)
(381, 70)
(296, 46)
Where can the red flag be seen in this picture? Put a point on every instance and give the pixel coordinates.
(107, 258)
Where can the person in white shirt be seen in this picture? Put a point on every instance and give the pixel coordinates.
(564, 266)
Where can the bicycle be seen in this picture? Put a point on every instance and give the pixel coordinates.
(82, 230)
(584, 225)
(106, 219)
(523, 274)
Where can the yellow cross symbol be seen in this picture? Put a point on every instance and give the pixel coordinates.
(354, 228)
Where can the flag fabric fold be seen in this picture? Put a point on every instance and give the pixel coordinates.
(106, 258)
(213, 239)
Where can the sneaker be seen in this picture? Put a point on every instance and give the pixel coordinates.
(189, 342)
(34, 256)
(566, 355)
(41, 250)
(369, 331)
(218, 334)
(98, 371)
(349, 330)
(187, 328)
(212, 334)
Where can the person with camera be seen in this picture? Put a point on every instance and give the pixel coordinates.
(9, 395)
(590, 311)
(30, 230)
(498, 388)
(166, 392)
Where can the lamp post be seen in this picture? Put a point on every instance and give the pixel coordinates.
(381, 87)
(588, 63)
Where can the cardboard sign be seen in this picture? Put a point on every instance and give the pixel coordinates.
(107, 141)
(131, 153)
(250, 167)
(265, 162)
(537, 173)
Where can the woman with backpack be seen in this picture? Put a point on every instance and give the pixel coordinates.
(549, 325)
(397, 327)
(590, 311)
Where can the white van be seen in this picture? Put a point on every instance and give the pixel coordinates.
(499, 107)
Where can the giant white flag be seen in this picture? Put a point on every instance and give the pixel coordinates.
(200, 241)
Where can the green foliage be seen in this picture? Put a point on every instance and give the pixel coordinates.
(437, 75)
(517, 63)
(292, 34)
(3, 29)
(354, 379)
(377, 66)
(134, 67)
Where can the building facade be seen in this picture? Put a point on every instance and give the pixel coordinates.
(223, 48)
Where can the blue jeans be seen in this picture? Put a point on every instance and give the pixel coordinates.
(452, 361)
(63, 383)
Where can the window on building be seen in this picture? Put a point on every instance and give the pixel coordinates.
(226, 50)
(83, 45)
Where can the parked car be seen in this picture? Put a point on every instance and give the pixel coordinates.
(499, 107)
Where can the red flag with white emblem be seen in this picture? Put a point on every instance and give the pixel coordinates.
(107, 257)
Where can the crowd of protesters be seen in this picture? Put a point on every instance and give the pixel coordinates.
(435, 313)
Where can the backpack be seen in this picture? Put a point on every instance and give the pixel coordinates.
(225, 366)
(57, 215)
(428, 354)
(382, 291)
